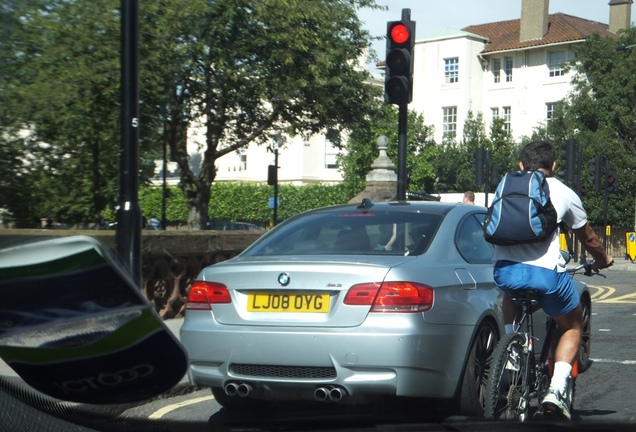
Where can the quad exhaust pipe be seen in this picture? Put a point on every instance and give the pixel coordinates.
(238, 389)
(244, 390)
(334, 393)
(231, 389)
(325, 393)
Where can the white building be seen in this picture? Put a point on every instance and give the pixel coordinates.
(510, 69)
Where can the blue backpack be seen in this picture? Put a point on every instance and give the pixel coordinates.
(521, 211)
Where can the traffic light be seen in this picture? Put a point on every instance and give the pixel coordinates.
(272, 175)
(568, 156)
(398, 77)
(595, 170)
(611, 183)
(478, 167)
(495, 175)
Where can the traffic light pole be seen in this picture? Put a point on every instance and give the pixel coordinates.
(402, 139)
(605, 204)
(276, 187)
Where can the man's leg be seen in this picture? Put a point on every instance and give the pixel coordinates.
(570, 325)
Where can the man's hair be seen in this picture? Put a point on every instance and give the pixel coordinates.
(537, 154)
(470, 195)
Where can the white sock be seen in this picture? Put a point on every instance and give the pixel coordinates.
(561, 374)
(509, 328)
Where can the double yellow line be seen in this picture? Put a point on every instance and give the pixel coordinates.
(603, 294)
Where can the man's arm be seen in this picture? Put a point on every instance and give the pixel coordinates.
(593, 246)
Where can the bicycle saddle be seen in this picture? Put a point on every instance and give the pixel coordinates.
(525, 294)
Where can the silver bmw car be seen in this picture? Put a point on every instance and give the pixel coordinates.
(351, 302)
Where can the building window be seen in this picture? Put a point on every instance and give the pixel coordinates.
(508, 68)
(243, 163)
(496, 70)
(451, 70)
(332, 143)
(549, 111)
(555, 63)
(495, 113)
(507, 116)
(450, 122)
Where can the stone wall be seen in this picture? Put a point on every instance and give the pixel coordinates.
(170, 260)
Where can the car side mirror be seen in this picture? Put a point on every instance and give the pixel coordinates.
(74, 325)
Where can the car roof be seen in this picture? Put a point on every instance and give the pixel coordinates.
(434, 207)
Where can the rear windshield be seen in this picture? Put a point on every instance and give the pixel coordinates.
(351, 233)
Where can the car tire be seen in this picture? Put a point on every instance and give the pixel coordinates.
(586, 334)
(472, 397)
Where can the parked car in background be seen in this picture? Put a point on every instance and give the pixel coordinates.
(351, 302)
(226, 225)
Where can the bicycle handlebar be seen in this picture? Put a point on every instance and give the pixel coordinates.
(587, 269)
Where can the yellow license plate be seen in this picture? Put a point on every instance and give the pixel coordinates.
(288, 302)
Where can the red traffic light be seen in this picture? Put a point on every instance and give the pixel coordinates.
(611, 183)
(399, 33)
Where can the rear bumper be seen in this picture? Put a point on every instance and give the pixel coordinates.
(409, 358)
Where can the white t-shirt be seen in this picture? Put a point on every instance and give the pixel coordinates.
(547, 254)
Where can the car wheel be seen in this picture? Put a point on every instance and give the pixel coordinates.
(586, 334)
(236, 402)
(472, 398)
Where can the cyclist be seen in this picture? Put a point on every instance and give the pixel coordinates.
(540, 266)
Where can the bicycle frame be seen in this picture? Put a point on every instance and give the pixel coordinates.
(529, 379)
(536, 379)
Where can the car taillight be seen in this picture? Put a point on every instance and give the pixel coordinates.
(204, 294)
(362, 294)
(392, 296)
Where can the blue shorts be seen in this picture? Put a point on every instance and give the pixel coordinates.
(559, 295)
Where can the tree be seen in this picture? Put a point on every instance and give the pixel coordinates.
(241, 70)
(600, 113)
(238, 69)
(455, 164)
(60, 93)
(504, 150)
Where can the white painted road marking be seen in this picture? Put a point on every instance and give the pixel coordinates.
(624, 362)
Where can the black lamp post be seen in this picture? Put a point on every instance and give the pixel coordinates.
(128, 234)
(273, 175)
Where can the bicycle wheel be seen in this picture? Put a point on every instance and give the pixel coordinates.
(505, 386)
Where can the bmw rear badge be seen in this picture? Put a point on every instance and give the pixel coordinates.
(284, 279)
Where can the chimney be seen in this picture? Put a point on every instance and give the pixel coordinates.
(620, 15)
(534, 19)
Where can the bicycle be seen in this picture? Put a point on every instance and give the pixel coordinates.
(516, 378)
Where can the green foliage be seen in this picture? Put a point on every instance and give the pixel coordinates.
(250, 201)
(150, 201)
(243, 201)
(239, 69)
(599, 114)
(455, 164)
(362, 149)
